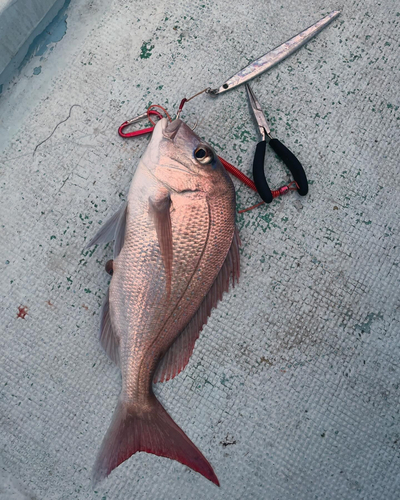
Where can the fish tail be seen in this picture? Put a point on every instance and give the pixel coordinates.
(151, 430)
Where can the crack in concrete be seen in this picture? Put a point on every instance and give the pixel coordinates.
(55, 128)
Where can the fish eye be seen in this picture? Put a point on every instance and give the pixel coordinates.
(203, 154)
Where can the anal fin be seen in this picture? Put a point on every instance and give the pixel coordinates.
(108, 339)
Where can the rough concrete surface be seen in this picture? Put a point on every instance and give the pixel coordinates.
(293, 388)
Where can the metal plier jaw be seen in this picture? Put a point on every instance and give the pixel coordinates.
(259, 116)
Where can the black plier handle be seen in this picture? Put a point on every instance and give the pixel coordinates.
(290, 161)
(280, 149)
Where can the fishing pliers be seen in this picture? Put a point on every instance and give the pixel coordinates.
(280, 149)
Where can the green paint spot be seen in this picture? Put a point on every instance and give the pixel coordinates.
(366, 326)
(216, 145)
(53, 237)
(146, 50)
(266, 217)
(37, 70)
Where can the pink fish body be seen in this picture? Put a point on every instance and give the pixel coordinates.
(176, 249)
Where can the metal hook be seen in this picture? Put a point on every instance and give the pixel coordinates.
(195, 125)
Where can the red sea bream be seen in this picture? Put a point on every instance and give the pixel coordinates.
(176, 250)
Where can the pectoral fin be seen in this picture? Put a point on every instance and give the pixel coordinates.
(160, 211)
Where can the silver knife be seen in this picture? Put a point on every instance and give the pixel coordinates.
(274, 56)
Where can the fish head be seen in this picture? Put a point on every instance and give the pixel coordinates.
(180, 159)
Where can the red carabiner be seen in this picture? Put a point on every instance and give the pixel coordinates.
(142, 131)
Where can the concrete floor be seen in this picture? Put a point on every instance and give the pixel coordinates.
(293, 389)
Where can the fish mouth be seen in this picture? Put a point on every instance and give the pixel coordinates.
(171, 128)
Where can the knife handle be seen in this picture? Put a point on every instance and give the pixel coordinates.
(292, 164)
(258, 173)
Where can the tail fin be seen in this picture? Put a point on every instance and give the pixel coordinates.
(151, 430)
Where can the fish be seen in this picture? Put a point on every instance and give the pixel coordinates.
(176, 251)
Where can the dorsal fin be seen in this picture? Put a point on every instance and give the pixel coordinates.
(178, 355)
(107, 231)
(108, 339)
(120, 231)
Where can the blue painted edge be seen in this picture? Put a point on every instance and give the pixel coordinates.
(37, 41)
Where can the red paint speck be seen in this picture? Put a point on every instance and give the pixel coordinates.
(22, 312)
